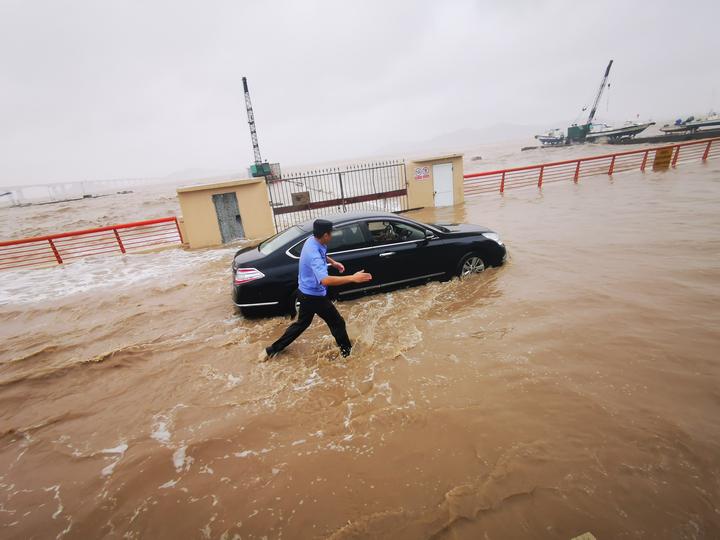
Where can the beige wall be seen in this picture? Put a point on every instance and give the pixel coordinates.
(183, 230)
(200, 223)
(421, 193)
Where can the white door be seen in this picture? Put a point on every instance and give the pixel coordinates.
(443, 184)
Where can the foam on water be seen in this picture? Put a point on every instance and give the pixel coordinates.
(160, 432)
(180, 460)
(119, 452)
(34, 285)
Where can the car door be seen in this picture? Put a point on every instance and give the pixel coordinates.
(349, 246)
(402, 250)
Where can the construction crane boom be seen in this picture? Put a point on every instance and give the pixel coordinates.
(599, 94)
(251, 123)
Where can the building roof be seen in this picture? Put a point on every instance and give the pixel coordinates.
(220, 185)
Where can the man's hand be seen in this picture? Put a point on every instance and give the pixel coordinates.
(361, 276)
(334, 281)
(340, 266)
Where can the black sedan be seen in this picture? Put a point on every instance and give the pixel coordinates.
(397, 251)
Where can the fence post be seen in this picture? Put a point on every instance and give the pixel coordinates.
(342, 192)
(675, 157)
(644, 161)
(542, 169)
(117, 237)
(271, 187)
(404, 170)
(577, 172)
(707, 150)
(612, 166)
(502, 183)
(55, 251)
(180, 232)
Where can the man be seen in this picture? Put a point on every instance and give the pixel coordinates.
(313, 281)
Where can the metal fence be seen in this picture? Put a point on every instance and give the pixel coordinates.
(562, 171)
(64, 247)
(297, 197)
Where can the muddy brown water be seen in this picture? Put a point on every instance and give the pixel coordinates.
(575, 389)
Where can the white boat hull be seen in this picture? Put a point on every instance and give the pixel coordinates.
(618, 133)
(690, 126)
(553, 137)
(550, 140)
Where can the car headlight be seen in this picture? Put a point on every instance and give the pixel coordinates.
(495, 237)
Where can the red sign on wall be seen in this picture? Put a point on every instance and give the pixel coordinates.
(422, 173)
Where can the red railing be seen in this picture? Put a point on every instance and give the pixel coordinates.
(574, 169)
(65, 247)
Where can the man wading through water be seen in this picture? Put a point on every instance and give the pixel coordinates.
(313, 281)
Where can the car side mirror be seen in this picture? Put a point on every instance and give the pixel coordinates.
(429, 235)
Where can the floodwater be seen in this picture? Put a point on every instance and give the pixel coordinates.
(575, 389)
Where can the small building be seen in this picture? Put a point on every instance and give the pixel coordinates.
(435, 181)
(218, 213)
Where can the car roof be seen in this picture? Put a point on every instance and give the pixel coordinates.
(340, 218)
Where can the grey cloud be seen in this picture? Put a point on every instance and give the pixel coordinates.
(137, 89)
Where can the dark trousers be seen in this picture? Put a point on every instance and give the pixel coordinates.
(309, 306)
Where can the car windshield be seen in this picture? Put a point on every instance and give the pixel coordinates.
(279, 240)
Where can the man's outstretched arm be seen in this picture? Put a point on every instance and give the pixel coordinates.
(358, 277)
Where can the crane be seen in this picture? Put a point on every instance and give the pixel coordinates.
(259, 168)
(599, 94)
(577, 133)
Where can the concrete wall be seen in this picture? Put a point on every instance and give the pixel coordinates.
(421, 191)
(200, 225)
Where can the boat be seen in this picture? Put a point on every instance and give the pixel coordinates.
(600, 131)
(692, 124)
(552, 138)
(594, 131)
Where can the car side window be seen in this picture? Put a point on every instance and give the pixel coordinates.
(347, 237)
(408, 232)
(388, 232)
(297, 248)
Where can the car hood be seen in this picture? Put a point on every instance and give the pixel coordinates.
(462, 228)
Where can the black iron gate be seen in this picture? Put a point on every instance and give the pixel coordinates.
(297, 197)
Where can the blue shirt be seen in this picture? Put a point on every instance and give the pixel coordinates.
(313, 268)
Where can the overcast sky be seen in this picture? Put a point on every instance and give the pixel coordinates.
(118, 88)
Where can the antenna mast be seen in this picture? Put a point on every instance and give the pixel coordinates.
(251, 123)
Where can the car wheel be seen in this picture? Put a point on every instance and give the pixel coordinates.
(470, 264)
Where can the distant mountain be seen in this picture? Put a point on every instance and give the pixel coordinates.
(205, 174)
(466, 138)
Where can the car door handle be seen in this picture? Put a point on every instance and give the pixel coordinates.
(387, 254)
